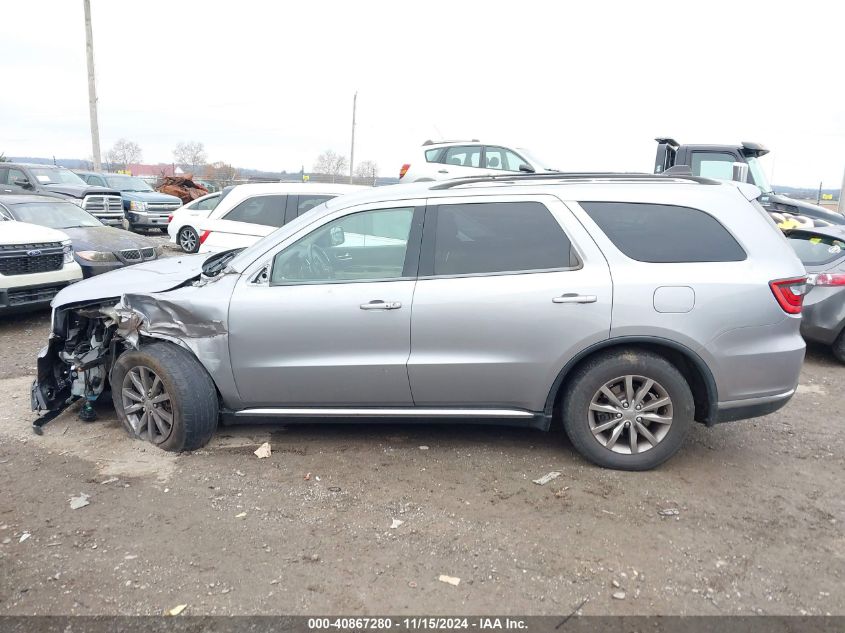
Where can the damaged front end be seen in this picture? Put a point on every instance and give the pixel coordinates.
(77, 359)
(92, 325)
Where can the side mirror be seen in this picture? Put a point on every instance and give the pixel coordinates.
(528, 169)
(337, 236)
(740, 172)
(23, 183)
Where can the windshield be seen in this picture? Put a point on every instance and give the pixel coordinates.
(56, 176)
(758, 175)
(541, 164)
(127, 183)
(56, 215)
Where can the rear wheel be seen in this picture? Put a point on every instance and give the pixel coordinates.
(188, 239)
(163, 394)
(628, 410)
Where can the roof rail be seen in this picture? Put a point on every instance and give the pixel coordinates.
(456, 140)
(448, 184)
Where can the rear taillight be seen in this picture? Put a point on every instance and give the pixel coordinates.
(827, 279)
(790, 293)
(404, 170)
(204, 236)
(170, 218)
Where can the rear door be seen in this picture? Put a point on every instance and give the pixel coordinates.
(509, 290)
(459, 161)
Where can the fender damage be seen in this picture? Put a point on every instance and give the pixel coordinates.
(88, 333)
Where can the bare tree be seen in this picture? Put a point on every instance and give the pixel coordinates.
(123, 153)
(331, 163)
(221, 172)
(367, 169)
(191, 154)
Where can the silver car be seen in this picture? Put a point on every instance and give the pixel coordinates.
(624, 306)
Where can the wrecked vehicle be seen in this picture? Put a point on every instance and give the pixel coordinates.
(512, 300)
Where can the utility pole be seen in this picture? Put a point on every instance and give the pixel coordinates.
(92, 89)
(842, 195)
(819, 197)
(352, 149)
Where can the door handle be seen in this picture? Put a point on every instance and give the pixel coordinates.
(378, 304)
(571, 297)
(442, 171)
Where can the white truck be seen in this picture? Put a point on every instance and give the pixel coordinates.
(35, 263)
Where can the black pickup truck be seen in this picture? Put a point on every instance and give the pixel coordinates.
(717, 161)
(102, 202)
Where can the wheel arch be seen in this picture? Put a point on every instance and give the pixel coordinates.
(689, 363)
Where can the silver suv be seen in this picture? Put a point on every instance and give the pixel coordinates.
(623, 306)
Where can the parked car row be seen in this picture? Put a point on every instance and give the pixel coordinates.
(47, 243)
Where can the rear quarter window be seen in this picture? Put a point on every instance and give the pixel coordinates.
(432, 155)
(662, 233)
(816, 250)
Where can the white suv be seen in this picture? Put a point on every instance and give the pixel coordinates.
(252, 211)
(459, 159)
(35, 263)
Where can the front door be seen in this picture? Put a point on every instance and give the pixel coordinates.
(508, 291)
(331, 324)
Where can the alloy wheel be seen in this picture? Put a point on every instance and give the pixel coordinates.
(630, 414)
(147, 404)
(187, 240)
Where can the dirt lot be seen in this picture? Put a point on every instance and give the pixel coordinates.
(758, 529)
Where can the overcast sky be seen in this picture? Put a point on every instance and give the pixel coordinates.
(585, 85)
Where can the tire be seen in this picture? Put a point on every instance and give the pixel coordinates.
(186, 236)
(838, 347)
(191, 403)
(586, 408)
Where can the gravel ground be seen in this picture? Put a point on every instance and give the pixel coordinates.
(747, 518)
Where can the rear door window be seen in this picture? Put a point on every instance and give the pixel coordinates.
(463, 155)
(208, 204)
(266, 210)
(498, 237)
(662, 233)
(816, 250)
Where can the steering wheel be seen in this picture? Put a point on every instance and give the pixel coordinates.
(319, 263)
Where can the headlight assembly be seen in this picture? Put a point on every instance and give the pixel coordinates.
(97, 256)
(137, 205)
(67, 251)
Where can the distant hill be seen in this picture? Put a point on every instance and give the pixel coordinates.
(251, 174)
(804, 193)
(70, 163)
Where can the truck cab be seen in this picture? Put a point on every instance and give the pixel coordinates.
(717, 161)
(104, 203)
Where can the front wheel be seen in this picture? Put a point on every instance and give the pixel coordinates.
(188, 239)
(163, 394)
(628, 410)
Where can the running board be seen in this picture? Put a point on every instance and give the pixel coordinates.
(410, 412)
